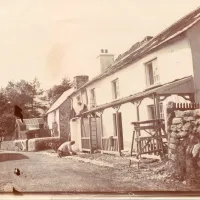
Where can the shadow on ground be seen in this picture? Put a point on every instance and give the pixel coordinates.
(12, 156)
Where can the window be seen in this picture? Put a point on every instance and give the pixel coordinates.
(151, 113)
(152, 74)
(115, 88)
(92, 98)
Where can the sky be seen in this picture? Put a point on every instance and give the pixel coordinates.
(52, 39)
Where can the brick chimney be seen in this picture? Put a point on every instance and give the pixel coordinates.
(80, 81)
(105, 59)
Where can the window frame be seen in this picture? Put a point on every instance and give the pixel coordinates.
(151, 77)
(161, 111)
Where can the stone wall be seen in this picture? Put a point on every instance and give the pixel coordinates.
(64, 115)
(7, 145)
(183, 127)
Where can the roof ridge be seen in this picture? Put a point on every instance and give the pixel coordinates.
(176, 22)
(160, 33)
(141, 49)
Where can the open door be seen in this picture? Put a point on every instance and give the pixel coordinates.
(118, 122)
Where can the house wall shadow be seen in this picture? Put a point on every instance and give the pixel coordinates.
(12, 156)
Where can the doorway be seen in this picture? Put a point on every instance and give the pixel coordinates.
(117, 122)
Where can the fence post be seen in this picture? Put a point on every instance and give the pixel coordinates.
(170, 115)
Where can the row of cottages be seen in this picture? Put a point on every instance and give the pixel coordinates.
(134, 87)
(137, 86)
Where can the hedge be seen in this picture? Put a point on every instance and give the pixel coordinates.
(38, 144)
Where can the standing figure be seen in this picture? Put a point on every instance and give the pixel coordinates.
(65, 149)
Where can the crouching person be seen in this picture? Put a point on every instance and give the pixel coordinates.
(65, 149)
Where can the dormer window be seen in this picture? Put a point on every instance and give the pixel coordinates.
(152, 75)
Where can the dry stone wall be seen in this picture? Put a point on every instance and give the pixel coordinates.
(183, 127)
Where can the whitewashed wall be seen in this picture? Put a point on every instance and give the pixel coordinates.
(76, 134)
(194, 38)
(50, 117)
(174, 61)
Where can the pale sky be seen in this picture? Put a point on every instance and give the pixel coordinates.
(51, 39)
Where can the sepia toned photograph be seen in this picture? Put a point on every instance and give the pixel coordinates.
(100, 98)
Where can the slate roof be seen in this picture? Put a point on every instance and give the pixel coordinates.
(60, 100)
(177, 86)
(168, 34)
(32, 121)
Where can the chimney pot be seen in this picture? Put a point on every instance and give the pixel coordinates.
(105, 59)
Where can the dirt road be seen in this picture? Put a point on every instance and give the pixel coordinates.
(46, 173)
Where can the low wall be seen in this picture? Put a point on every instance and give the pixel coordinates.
(183, 127)
(38, 144)
(16, 145)
(35, 144)
(7, 145)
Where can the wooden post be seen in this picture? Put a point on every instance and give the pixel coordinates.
(192, 98)
(89, 120)
(118, 135)
(157, 106)
(101, 129)
(117, 129)
(138, 112)
(137, 129)
(96, 130)
(133, 138)
(159, 139)
(81, 121)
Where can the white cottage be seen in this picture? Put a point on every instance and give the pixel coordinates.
(137, 86)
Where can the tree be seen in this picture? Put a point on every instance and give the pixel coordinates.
(27, 95)
(57, 90)
(37, 104)
(7, 119)
(7, 125)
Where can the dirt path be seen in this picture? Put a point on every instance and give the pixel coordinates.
(47, 173)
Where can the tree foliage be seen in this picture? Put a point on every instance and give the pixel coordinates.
(27, 95)
(30, 97)
(57, 90)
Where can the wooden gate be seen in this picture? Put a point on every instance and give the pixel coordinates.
(153, 142)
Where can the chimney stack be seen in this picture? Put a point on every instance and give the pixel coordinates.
(105, 59)
(80, 81)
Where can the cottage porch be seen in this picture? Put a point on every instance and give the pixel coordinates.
(93, 119)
